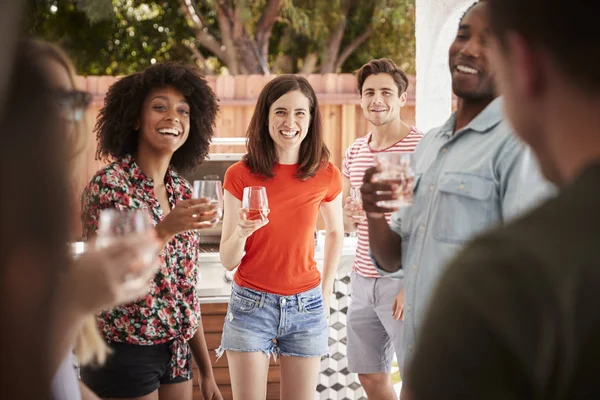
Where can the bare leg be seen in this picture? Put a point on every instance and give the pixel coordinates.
(299, 377)
(248, 372)
(151, 396)
(378, 386)
(176, 391)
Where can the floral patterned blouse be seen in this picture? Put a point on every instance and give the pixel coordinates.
(171, 310)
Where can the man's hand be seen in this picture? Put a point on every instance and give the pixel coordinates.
(374, 192)
(398, 307)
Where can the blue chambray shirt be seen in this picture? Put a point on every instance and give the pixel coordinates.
(465, 183)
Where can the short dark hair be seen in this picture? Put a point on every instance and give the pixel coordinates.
(467, 11)
(567, 30)
(382, 66)
(116, 126)
(261, 149)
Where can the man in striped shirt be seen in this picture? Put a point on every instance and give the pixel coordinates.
(375, 314)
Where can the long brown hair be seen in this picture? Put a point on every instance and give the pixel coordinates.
(261, 149)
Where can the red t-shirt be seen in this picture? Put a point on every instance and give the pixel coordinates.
(279, 256)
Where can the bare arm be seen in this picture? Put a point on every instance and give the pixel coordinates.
(232, 245)
(200, 351)
(235, 232)
(349, 225)
(208, 385)
(334, 239)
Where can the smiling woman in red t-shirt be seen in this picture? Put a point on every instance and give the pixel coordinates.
(280, 301)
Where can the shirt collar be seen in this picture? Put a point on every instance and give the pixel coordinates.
(491, 116)
(138, 176)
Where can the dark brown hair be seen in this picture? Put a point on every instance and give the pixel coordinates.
(261, 150)
(116, 125)
(567, 30)
(382, 66)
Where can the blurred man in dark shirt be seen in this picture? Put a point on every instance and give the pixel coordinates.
(515, 316)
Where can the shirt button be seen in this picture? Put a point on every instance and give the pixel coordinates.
(414, 267)
(408, 307)
(431, 187)
(410, 347)
(422, 228)
(461, 186)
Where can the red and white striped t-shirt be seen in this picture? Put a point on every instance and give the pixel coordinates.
(358, 158)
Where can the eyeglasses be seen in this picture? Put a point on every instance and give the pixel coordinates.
(72, 103)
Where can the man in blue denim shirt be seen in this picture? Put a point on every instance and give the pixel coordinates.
(471, 174)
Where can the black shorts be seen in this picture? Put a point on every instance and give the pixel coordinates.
(131, 371)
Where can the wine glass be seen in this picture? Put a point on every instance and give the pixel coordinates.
(255, 205)
(358, 214)
(212, 190)
(396, 168)
(115, 224)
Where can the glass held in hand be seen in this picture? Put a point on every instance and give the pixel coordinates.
(213, 191)
(396, 169)
(116, 224)
(357, 215)
(255, 205)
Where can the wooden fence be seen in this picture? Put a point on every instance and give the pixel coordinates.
(343, 119)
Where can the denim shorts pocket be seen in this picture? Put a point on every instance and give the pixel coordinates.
(313, 304)
(241, 303)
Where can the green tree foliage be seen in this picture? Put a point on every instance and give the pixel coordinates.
(227, 36)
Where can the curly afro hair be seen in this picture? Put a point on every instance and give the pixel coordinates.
(116, 126)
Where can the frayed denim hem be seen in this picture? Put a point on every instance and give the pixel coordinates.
(274, 351)
(303, 355)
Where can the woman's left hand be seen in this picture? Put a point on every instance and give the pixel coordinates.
(209, 388)
(326, 302)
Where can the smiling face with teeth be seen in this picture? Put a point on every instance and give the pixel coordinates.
(165, 121)
(380, 100)
(289, 121)
(472, 78)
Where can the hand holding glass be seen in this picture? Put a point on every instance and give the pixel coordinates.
(213, 191)
(115, 224)
(255, 205)
(396, 169)
(354, 203)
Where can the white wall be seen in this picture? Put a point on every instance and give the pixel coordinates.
(436, 26)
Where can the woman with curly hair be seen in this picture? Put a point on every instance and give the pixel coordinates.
(153, 125)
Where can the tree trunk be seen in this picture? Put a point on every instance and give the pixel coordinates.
(309, 64)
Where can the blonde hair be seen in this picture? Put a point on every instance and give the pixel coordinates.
(90, 346)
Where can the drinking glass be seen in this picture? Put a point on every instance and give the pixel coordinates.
(255, 205)
(396, 168)
(115, 224)
(358, 214)
(212, 190)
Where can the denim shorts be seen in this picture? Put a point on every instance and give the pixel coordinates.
(297, 323)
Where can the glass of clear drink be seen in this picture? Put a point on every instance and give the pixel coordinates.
(358, 215)
(212, 190)
(255, 205)
(396, 169)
